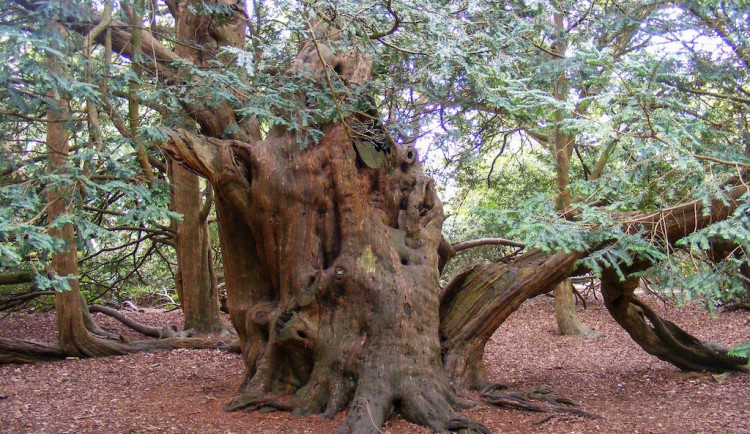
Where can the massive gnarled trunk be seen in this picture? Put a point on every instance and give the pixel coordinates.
(331, 266)
(332, 276)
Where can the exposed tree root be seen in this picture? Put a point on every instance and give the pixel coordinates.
(422, 396)
(154, 332)
(538, 399)
(736, 307)
(425, 402)
(247, 402)
(22, 351)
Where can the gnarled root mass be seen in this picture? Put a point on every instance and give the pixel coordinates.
(538, 399)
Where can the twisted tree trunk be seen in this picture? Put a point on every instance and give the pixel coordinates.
(332, 272)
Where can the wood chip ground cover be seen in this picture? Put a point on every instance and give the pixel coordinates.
(184, 390)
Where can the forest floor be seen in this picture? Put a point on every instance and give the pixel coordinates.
(184, 390)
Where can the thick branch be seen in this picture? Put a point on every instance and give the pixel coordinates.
(660, 337)
(199, 153)
(481, 297)
(674, 223)
(16, 278)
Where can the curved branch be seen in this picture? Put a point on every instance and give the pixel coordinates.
(394, 27)
(141, 328)
(197, 152)
(463, 245)
(479, 299)
(663, 338)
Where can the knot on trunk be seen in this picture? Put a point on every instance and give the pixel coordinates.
(352, 66)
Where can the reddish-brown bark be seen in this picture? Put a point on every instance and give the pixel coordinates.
(479, 299)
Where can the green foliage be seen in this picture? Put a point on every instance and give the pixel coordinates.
(103, 186)
(646, 87)
(742, 350)
(656, 93)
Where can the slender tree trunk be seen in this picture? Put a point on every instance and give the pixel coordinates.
(195, 282)
(72, 333)
(565, 312)
(565, 306)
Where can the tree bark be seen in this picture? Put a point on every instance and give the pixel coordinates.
(73, 335)
(331, 285)
(332, 267)
(481, 297)
(477, 301)
(194, 281)
(565, 312)
(660, 337)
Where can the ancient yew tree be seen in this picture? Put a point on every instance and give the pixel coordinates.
(332, 234)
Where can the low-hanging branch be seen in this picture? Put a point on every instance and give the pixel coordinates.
(16, 278)
(470, 244)
(144, 329)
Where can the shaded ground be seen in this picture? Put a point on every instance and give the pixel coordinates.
(184, 390)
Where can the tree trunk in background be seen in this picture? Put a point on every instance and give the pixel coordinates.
(565, 312)
(565, 303)
(72, 333)
(195, 282)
